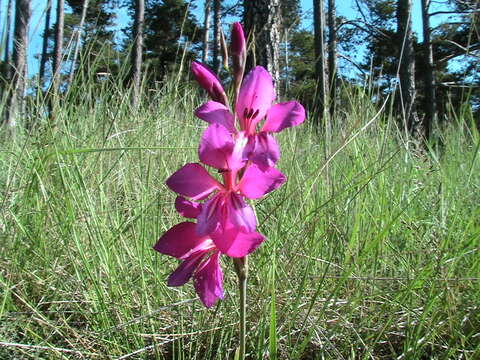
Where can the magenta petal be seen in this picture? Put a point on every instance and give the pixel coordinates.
(236, 243)
(240, 214)
(218, 149)
(181, 240)
(239, 158)
(208, 281)
(187, 208)
(210, 216)
(266, 151)
(255, 183)
(216, 113)
(256, 95)
(249, 147)
(193, 181)
(216, 145)
(185, 271)
(284, 115)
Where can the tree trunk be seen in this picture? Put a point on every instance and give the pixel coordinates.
(320, 68)
(206, 26)
(262, 24)
(332, 56)
(287, 74)
(217, 23)
(58, 50)
(407, 69)
(15, 102)
(46, 36)
(429, 79)
(78, 43)
(137, 49)
(6, 58)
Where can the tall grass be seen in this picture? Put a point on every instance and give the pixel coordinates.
(380, 264)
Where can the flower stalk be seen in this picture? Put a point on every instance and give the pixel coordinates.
(241, 268)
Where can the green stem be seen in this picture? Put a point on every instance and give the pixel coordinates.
(241, 268)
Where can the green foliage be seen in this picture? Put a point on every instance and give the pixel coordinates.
(375, 258)
(301, 73)
(449, 43)
(456, 47)
(381, 13)
(171, 33)
(290, 15)
(98, 37)
(100, 17)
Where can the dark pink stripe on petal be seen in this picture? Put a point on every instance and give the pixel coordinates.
(193, 181)
(256, 183)
(208, 281)
(232, 242)
(240, 214)
(266, 151)
(210, 216)
(187, 208)
(216, 113)
(186, 269)
(284, 115)
(256, 95)
(180, 240)
(216, 147)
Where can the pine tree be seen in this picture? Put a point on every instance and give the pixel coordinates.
(169, 25)
(99, 55)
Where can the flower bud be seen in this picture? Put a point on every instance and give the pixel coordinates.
(209, 81)
(238, 46)
(224, 49)
(239, 54)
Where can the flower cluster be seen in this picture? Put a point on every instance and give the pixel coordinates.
(244, 153)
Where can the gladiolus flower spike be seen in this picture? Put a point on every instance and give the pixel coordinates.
(244, 155)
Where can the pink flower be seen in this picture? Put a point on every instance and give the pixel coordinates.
(245, 159)
(200, 259)
(225, 216)
(209, 81)
(253, 105)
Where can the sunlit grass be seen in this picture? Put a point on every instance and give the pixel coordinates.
(375, 258)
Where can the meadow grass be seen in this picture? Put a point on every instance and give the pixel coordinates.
(371, 254)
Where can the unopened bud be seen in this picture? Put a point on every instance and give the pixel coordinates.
(238, 45)
(238, 48)
(207, 79)
(224, 49)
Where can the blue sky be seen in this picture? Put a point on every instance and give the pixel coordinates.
(344, 7)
